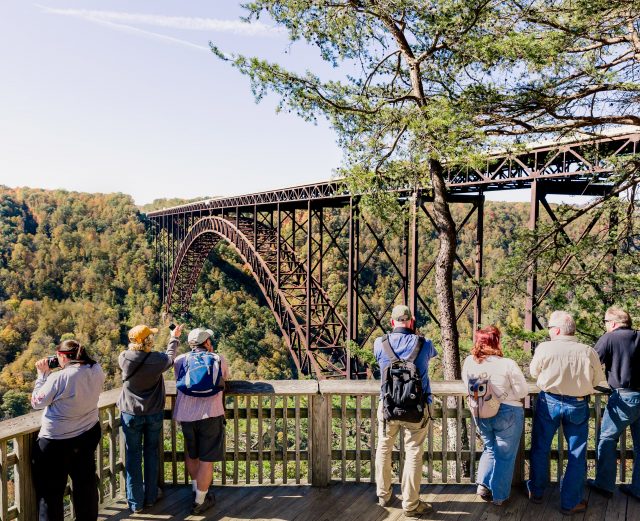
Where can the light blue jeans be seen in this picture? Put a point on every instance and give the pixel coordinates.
(623, 410)
(142, 435)
(501, 437)
(551, 411)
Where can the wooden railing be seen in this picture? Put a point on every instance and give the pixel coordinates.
(302, 432)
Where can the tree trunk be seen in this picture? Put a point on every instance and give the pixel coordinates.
(446, 229)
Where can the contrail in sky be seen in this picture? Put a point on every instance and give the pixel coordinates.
(128, 21)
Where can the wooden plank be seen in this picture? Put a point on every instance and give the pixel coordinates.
(254, 387)
(113, 440)
(236, 436)
(343, 438)
(430, 450)
(445, 439)
(260, 441)
(285, 439)
(623, 456)
(4, 477)
(358, 436)
(458, 439)
(247, 463)
(273, 439)
(472, 450)
(297, 438)
(320, 440)
(617, 507)
(26, 499)
(100, 459)
(174, 446)
(372, 438)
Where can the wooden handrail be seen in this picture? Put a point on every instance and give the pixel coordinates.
(284, 431)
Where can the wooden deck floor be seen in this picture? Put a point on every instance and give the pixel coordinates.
(357, 502)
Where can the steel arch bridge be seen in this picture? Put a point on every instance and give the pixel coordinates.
(306, 247)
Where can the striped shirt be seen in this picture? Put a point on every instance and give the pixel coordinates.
(194, 408)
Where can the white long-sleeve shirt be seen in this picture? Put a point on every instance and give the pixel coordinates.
(505, 376)
(69, 398)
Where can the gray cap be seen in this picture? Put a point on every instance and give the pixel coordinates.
(401, 313)
(198, 336)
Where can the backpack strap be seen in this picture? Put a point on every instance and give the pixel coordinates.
(416, 350)
(388, 350)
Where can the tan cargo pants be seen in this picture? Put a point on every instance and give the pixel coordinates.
(414, 436)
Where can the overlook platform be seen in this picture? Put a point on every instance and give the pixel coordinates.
(357, 502)
(305, 450)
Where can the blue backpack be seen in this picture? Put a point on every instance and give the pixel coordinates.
(200, 374)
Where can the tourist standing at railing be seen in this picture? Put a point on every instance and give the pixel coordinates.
(401, 345)
(201, 416)
(141, 405)
(70, 432)
(567, 372)
(619, 351)
(501, 429)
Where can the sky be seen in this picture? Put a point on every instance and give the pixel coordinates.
(125, 96)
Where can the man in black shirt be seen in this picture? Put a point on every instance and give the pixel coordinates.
(619, 351)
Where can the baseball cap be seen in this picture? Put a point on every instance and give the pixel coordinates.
(138, 334)
(198, 336)
(401, 313)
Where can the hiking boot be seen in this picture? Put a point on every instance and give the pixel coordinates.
(580, 508)
(209, 501)
(591, 483)
(422, 508)
(626, 489)
(484, 493)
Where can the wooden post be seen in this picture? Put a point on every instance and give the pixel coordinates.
(320, 440)
(26, 498)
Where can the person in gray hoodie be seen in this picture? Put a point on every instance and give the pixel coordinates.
(141, 405)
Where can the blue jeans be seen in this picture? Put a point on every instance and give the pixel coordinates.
(623, 410)
(137, 427)
(573, 413)
(501, 437)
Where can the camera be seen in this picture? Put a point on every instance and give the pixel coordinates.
(52, 362)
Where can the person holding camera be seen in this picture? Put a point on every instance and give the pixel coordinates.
(141, 405)
(69, 433)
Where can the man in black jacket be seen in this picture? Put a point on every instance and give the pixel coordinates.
(619, 351)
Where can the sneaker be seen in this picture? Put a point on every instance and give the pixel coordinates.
(422, 508)
(498, 503)
(580, 508)
(591, 483)
(209, 501)
(385, 502)
(626, 489)
(484, 493)
(136, 510)
(538, 500)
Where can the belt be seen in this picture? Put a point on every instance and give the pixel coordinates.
(566, 396)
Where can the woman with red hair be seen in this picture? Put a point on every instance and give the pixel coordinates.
(498, 412)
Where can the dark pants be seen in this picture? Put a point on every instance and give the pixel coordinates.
(57, 460)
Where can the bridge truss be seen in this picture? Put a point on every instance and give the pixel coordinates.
(310, 250)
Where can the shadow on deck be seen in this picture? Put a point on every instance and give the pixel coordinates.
(357, 502)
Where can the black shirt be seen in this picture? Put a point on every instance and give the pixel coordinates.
(619, 351)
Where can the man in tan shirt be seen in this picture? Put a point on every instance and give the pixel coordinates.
(566, 373)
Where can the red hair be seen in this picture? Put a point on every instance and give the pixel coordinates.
(486, 343)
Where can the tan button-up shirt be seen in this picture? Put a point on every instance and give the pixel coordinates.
(565, 366)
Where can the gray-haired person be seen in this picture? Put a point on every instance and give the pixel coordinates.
(567, 372)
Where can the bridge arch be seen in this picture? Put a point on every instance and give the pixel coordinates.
(310, 353)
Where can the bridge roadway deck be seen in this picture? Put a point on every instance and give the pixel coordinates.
(357, 502)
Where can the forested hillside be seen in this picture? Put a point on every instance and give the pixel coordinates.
(82, 265)
(75, 264)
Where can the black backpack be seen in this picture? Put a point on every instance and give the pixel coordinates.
(402, 395)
